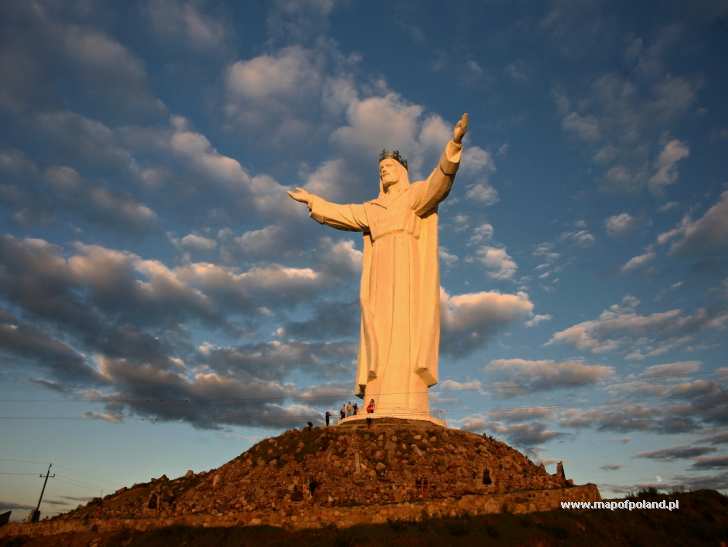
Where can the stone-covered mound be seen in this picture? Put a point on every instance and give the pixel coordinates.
(393, 461)
(701, 520)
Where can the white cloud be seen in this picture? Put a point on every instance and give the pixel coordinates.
(101, 52)
(708, 234)
(473, 423)
(434, 134)
(484, 232)
(291, 72)
(624, 115)
(518, 71)
(84, 138)
(519, 414)
(581, 238)
(124, 207)
(328, 180)
(378, 122)
(672, 370)
(63, 178)
(242, 290)
(666, 167)
(474, 68)
(60, 190)
(497, 261)
(461, 222)
(673, 95)
(14, 161)
(639, 261)
(448, 258)
(621, 328)
(620, 176)
(110, 417)
(261, 191)
(546, 250)
(620, 224)
(453, 385)
(524, 434)
(111, 73)
(469, 320)
(387, 120)
(637, 389)
(340, 258)
(536, 319)
(586, 127)
(669, 206)
(482, 192)
(184, 23)
(195, 242)
(606, 154)
(287, 95)
(199, 151)
(523, 376)
(476, 160)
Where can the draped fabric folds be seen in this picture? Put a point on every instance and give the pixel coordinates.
(400, 287)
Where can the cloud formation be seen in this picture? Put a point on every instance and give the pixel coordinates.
(622, 328)
(522, 376)
(639, 261)
(470, 320)
(624, 115)
(666, 166)
(620, 224)
(703, 236)
(677, 453)
(498, 263)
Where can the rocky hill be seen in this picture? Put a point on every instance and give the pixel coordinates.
(391, 462)
(345, 474)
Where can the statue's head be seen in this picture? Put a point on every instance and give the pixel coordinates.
(392, 168)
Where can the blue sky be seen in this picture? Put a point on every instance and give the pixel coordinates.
(164, 305)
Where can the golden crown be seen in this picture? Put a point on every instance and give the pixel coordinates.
(395, 155)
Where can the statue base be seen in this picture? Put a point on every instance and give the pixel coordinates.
(361, 419)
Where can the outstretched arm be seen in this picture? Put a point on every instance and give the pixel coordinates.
(440, 181)
(350, 217)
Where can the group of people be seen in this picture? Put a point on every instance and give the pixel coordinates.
(348, 409)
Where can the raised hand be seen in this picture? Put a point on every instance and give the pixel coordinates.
(460, 129)
(299, 194)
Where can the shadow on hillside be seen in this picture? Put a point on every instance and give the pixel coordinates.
(702, 519)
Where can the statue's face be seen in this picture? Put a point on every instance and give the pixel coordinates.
(389, 172)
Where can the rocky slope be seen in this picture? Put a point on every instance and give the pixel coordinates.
(393, 461)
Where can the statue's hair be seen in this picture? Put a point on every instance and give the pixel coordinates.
(395, 155)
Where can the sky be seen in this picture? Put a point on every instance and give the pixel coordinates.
(164, 305)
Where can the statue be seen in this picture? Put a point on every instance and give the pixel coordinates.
(400, 279)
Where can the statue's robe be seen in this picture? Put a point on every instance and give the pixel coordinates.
(400, 287)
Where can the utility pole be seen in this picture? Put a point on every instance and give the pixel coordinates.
(35, 515)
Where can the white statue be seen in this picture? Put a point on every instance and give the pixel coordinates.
(400, 281)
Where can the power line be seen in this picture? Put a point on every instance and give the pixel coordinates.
(314, 415)
(21, 461)
(187, 400)
(81, 483)
(42, 418)
(68, 478)
(222, 401)
(4, 473)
